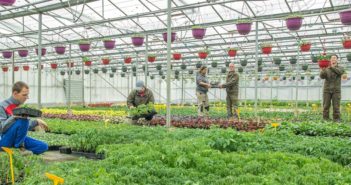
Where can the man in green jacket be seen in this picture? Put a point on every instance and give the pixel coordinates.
(232, 88)
(140, 95)
(332, 88)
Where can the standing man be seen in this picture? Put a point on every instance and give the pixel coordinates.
(232, 88)
(13, 129)
(202, 86)
(140, 95)
(332, 88)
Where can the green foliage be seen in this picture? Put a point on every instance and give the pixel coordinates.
(240, 21)
(294, 15)
(324, 57)
(141, 110)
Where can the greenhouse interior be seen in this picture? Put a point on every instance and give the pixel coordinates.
(188, 92)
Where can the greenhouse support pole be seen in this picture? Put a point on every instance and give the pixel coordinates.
(13, 67)
(271, 106)
(256, 68)
(169, 7)
(245, 88)
(297, 85)
(146, 53)
(69, 111)
(182, 88)
(83, 98)
(39, 59)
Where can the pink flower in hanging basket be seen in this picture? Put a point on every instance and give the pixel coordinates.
(345, 17)
(60, 49)
(7, 2)
(109, 43)
(138, 40)
(198, 32)
(23, 52)
(294, 22)
(244, 26)
(7, 54)
(26, 68)
(53, 65)
(173, 36)
(84, 45)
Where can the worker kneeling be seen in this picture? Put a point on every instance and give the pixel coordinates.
(13, 129)
(140, 96)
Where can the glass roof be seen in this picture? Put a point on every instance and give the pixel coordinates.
(65, 22)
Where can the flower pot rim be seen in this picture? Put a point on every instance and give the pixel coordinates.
(197, 27)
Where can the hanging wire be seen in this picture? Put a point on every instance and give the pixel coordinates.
(74, 15)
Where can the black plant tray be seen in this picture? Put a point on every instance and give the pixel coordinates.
(27, 112)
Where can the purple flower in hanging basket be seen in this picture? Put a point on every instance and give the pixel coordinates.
(23, 52)
(138, 40)
(345, 17)
(243, 26)
(7, 2)
(84, 46)
(43, 51)
(109, 43)
(7, 54)
(198, 32)
(294, 22)
(173, 36)
(60, 49)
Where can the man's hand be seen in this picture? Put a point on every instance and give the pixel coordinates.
(43, 125)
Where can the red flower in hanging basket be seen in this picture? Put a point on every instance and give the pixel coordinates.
(88, 63)
(16, 68)
(203, 53)
(266, 48)
(5, 68)
(53, 66)
(305, 47)
(26, 68)
(128, 60)
(105, 61)
(346, 42)
(324, 60)
(177, 56)
(232, 52)
(151, 58)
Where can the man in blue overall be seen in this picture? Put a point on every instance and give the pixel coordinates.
(13, 129)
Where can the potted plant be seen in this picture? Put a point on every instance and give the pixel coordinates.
(109, 43)
(111, 75)
(345, 17)
(198, 65)
(87, 71)
(176, 72)
(138, 40)
(312, 77)
(96, 71)
(214, 64)
(191, 72)
(77, 72)
(25, 67)
(53, 65)
(293, 60)
(86, 61)
(277, 60)
(105, 60)
(305, 46)
(203, 53)
(173, 36)
(323, 60)
(60, 49)
(113, 69)
(160, 73)
(304, 67)
(123, 75)
(7, 2)
(4, 68)
(134, 68)
(43, 51)
(62, 73)
(183, 66)
(281, 68)
(240, 69)
(7, 54)
(223, 70)
(16, 68)
(266, 48)
(243, 26)
(151, 57)
(124, 69)
(84, 45)
(243, 62)
(23, 52)
(259, 61)
(348, 57)
(294, 22)
(314, 59)
(232, 52)
(198, 32)
(346, 42)
(104, 70)
(163, 77)
(259, 69)
(127, 60)
(177, 56)
(158, 67)
(275, 78)
(152, 77)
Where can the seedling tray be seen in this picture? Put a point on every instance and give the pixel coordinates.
(27, 112)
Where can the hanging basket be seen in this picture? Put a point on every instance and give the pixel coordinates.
(5, 69)
(232, 52)
(128, 60)
(53, 66)
(60, 50)
(62, 73)
(243, 63)
(173, 36)
(346, 44)
(84, 46)
(95, 71)
(304, 67)
(113, 69)
(293, 23)
(16, 68)
(7, 54)
(151, 58)
(244, 28)
(348, 57)
(281, 68)
(26, 68)
(266, 50)
(138, 40)
(88, 63)
(345, 17)
(277, 60)
(314, 59)
(43, 51)
(183, 66)
(305, 47)
(109, 44)
(86, 71)
(23, 52)
(105, 61)
(202, 55)
(198, 32)
(323, 63)
(293, 60)
(7, 2)
(77, 72)
(177, 56)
